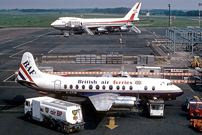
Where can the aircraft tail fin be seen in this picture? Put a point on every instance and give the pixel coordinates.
(28, 70)
(133, 14)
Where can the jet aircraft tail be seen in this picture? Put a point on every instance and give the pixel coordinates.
(133, 14)
(28, 71)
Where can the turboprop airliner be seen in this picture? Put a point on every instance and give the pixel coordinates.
(104, 92)
(99, 25)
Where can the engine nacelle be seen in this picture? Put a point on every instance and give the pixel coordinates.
(101, 29)
(123, 28)
(125, 101)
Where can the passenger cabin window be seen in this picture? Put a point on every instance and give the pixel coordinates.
(90, 86)
(117, 87)
(103, 87)
(83, 86)
(145, 87)
(123, 87)
(97, 87)
(77, 86)
(131, 87)
(65, 86)
(71, 86)
(110, 87)
(153, 88)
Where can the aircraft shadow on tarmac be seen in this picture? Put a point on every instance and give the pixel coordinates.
(15, 102)
(91, 117)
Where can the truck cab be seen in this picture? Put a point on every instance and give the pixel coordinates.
(195, 109)
(27, 106)
(156, 108)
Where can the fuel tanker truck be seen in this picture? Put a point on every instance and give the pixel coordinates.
(57, 114)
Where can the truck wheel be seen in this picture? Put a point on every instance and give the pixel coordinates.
(59, 128)
(52, 124)
(28, 117)
(46, 121)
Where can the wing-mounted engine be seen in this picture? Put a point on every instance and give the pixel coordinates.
(126, 101)
(123, 28)
(101, 30)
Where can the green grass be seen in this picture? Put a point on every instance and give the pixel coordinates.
(163, 21)
(22, 19)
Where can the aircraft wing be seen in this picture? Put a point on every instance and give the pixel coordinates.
(103, 102)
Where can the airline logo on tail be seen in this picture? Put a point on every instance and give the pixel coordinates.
(25, 73)
(134, 12)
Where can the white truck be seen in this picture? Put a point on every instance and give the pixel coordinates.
(156, 108)
(57, 114)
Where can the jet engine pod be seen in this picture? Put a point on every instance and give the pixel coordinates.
(123, 28)
(125, 101)
(101, 30)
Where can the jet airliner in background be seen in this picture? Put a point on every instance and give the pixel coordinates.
(103, 92)
(101, 25)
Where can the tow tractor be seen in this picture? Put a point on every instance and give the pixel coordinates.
(196, 123)
(196, 62)
(156, 108)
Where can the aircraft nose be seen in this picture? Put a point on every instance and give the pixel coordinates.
(180, 92)
(53, 24)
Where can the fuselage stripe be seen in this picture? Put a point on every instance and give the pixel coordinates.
(20, 74)
(21, 66)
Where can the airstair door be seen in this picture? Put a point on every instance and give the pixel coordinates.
(57, 86)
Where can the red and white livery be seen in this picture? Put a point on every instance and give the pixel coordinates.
(100, 25)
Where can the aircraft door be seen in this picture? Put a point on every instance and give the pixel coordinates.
(57, 86)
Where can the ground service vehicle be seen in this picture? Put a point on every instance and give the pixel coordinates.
(195, 109)
(56, 114)
(191, 99)
(196, 123)
(156, 108)
(196, 62)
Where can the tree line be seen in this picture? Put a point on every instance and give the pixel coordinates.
(120, 10)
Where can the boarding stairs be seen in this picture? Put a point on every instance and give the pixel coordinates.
(135, 29)
(87, 30)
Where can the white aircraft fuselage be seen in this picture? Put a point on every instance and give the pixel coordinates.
(101, 87)
(100, 25)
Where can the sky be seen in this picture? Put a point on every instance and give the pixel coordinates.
(66, 4)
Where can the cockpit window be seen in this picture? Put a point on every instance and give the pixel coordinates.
(169, 83)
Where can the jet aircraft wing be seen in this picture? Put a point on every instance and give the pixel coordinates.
(103, 102)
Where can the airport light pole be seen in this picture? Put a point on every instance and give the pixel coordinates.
(199, 14)
(169, 14)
